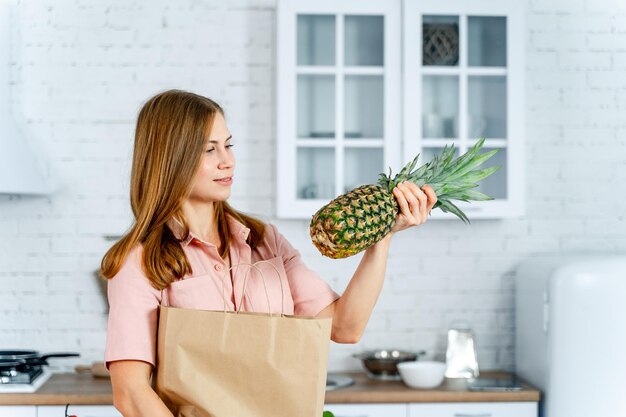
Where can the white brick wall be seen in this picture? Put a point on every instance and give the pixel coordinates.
(83, 69)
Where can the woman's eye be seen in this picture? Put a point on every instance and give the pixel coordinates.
(227, 146)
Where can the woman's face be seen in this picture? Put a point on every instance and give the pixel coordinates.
(214, 178)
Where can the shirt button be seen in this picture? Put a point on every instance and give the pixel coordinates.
(218, 267)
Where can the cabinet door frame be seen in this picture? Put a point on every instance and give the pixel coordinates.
(289, 206)
(79, 410)
(513, 205)
(368, 410)
(474, 409)
(18, 411)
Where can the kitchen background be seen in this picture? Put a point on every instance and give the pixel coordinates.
(81, 71)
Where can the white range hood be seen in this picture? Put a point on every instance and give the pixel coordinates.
(19, 172)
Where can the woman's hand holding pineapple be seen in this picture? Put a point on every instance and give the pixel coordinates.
(415, 205)
(352, 310)
(358, 219)
(365, 218)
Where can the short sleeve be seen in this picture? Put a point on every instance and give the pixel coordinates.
(133, 314)
(311, 294)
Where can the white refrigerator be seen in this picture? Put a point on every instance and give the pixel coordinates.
(570, 336)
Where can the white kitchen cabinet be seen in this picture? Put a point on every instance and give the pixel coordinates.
(367, 410)
(18, 411)
(493, 409)
(339, 114)
(78, 411)
(367, 85)
(463, 80)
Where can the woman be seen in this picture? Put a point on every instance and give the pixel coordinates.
(186, 236)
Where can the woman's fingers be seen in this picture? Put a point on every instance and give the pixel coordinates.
(415, 203)
(432, 197)
(404, 204)
(418, 200)
(423, 204)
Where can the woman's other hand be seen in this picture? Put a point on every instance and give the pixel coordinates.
(133, 395)
(415, 205)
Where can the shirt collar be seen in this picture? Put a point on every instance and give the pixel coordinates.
(237, 230)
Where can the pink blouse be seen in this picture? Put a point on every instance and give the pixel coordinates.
(133, 301)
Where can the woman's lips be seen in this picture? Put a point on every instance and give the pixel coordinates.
(225, 181)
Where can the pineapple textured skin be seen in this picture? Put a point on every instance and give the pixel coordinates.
(354, 221)
(358, 219)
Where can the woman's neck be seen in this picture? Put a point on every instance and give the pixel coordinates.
(201, 220)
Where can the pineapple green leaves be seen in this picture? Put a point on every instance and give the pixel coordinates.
(361, 217)
(450, 179)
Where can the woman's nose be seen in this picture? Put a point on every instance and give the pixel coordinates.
(226, 161)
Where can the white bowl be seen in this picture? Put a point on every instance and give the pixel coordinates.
(422, 374)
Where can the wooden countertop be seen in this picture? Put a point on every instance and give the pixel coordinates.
(75, 388)
(366, 390)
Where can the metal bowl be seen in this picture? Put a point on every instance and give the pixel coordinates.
(381, 363)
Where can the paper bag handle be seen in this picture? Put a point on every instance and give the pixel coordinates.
(245, 279)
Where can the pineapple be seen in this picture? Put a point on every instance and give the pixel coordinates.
(356, 220)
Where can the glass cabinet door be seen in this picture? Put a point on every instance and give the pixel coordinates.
(345, 64)
(486, 41)
(364, 40)
(462, 84)
(364, 106)
(316, 39)
(456, 51)
(486, 106)
(316, 173)
(316, 106)
(440, 106)
(359, 71)
(362, 166)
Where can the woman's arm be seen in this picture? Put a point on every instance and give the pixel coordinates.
(352, 310)
(133, 395)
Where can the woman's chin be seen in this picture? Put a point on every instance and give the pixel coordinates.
(223, 196)
(212, 195)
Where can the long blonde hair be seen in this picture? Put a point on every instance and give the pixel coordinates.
(170, 136)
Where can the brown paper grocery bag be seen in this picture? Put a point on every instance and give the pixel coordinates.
(241, 364)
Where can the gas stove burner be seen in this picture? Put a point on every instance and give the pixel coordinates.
(22, 370)
(24, 381)
(20, 377)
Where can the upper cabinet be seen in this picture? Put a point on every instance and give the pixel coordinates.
(339, 103)
(463, 80)
(366, 85)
